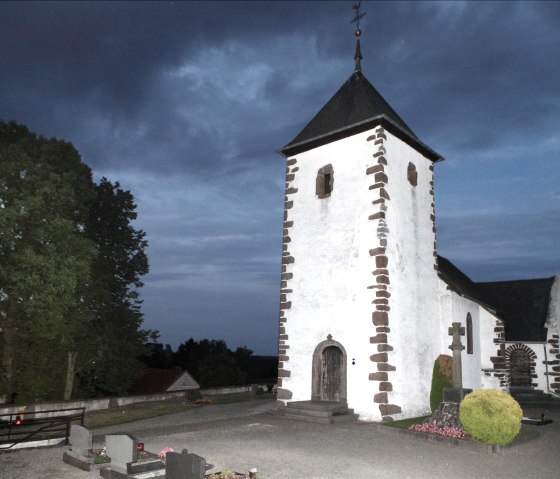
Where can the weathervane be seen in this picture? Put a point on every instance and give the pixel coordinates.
(358, 33)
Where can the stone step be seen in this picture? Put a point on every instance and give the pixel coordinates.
(315, 413)
(319, 419)
(325, 412)
(318, 405)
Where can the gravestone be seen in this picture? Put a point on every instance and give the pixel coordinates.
(123, 450)
(79, 454)
(81, 440)
(457, 331)
(457, 393)
(447, 413)
(184, 466)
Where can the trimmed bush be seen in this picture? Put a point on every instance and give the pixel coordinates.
(491, 416)
(441, 379)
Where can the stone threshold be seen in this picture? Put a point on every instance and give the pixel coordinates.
(470, 444)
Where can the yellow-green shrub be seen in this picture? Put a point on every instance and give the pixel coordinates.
(491, 416)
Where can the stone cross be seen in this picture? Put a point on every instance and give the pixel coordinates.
(456, 330)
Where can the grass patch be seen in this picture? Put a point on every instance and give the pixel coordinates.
(146, 410)
(405, 423)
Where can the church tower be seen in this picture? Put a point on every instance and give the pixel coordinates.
(359, 318)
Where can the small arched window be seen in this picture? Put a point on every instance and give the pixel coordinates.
(469, 334)
(412, 174)
(325, 181)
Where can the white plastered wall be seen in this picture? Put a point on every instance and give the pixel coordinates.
(330, 242)
(414, 315)
(477, 367)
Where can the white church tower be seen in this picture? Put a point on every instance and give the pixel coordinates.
(359, 313)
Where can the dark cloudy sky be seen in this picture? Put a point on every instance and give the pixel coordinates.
(186, 103)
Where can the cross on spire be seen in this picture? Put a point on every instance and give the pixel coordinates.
(358, 33)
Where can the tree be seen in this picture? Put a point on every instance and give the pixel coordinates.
(120, 261)
(70, 267)
(45, 190)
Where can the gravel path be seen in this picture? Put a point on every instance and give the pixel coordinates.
(244, 435)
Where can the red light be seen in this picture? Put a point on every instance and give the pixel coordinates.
(18, 422)
(140, 446)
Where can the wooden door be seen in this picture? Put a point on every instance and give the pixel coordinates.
(520, 368)
(331, 377)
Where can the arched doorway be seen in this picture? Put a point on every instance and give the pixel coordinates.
(329, 372)
(520, 368)
(331, 365)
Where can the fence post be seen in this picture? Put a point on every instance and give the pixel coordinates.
(67, 430)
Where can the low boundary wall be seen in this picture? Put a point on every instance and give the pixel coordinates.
(109, 402)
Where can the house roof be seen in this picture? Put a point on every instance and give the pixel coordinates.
(184, 382)
(357, 106)
(155, 380)
(524, 304)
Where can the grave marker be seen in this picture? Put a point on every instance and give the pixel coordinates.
(184, 466)
(122, 449)
(81, 440)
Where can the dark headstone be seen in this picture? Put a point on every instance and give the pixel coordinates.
(455, 394)
(184, 466)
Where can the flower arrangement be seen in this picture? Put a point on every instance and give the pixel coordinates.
(445, 431)
(163, 453)
(100, 456)
(227, 474)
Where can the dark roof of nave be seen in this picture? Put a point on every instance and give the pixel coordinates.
(356, 107)
(460, 282)
(524, 305)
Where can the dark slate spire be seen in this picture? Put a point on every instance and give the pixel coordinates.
(358, 56)
(357, 106)
(358, 33)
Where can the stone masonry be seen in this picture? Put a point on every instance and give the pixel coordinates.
(381, 286)
(287, 275)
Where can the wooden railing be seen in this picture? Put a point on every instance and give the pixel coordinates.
(16, 428)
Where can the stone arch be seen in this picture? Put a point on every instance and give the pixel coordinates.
(520, 365)
(317, 369)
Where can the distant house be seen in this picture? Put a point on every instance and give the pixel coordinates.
(164, 380)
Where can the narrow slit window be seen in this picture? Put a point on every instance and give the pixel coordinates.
(412, 174)
(328, 183)
(469, 334)
(325, 181)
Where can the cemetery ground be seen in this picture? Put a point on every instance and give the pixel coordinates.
(243, 435)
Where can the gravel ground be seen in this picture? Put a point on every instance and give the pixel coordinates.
(244, 435)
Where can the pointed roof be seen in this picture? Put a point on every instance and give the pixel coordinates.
(357, 106)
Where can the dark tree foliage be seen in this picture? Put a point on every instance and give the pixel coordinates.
(212, 363)
(120, 261)
(70, 263)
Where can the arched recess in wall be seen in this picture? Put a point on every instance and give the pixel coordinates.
(520, 364)
(469, 334)
(325, 352)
